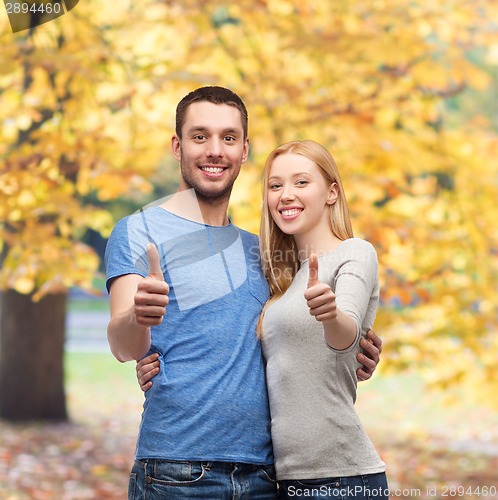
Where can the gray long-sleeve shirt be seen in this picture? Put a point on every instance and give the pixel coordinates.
(316, 432)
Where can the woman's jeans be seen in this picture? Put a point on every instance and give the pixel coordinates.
(181, 480)
(366, 487)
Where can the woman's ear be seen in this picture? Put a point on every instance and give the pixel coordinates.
(333, 193)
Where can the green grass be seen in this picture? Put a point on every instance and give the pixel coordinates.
(93, 368)
(399, 407)
(97, 385)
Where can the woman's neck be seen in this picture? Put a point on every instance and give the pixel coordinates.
(316, 243)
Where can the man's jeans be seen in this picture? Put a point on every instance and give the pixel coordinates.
(366, 487)
(155, 479)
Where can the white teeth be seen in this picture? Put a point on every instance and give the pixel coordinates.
(294, 211)
(212, 170)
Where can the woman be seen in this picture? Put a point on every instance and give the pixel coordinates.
(324, 294)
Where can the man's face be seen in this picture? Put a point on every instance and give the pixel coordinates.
(211, 150)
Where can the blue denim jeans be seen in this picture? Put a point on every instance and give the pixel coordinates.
(367, 487)
(155, 479)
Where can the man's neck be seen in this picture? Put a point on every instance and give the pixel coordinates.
(187, 205)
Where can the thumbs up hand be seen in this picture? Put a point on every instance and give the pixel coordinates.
(319, 296)
(151, 298)
(154, 261)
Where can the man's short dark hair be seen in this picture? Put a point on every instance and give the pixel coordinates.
(215, 95)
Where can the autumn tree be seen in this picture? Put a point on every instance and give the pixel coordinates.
(68, 135)
(87, 106)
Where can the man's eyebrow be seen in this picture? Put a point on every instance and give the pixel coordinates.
(197, 129)
(234, 131)
(200, 128)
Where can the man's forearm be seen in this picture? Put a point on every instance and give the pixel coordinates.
(128, 340)
(340, 332)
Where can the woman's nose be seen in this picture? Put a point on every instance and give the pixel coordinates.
(287, 194)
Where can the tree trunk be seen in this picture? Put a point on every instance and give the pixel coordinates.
(31, 357)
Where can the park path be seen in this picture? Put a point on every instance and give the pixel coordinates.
(86, 331)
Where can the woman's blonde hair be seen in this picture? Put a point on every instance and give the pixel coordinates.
(279, 254)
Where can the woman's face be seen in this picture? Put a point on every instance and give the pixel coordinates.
(299, 196)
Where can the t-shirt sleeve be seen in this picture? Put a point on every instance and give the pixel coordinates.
(120, 258)
(356, 283)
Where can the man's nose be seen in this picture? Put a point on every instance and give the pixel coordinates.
(215, 148)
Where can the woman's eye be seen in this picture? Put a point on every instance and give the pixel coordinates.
(274, 186)
(301, 183)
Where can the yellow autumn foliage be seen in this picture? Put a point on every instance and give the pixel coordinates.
(87, 109)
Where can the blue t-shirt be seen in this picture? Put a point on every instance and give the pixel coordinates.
(209, 401)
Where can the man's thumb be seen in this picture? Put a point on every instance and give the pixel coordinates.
(313, 269)
(154, 261)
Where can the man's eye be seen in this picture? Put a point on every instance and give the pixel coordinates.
(229, 138)
(199, 137)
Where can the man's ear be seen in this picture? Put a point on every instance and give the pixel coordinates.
(245, 153)
(176, 147)
(333, 193)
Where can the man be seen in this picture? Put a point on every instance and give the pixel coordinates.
(205, 429)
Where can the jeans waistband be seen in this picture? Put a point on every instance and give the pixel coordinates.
(207, 464)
